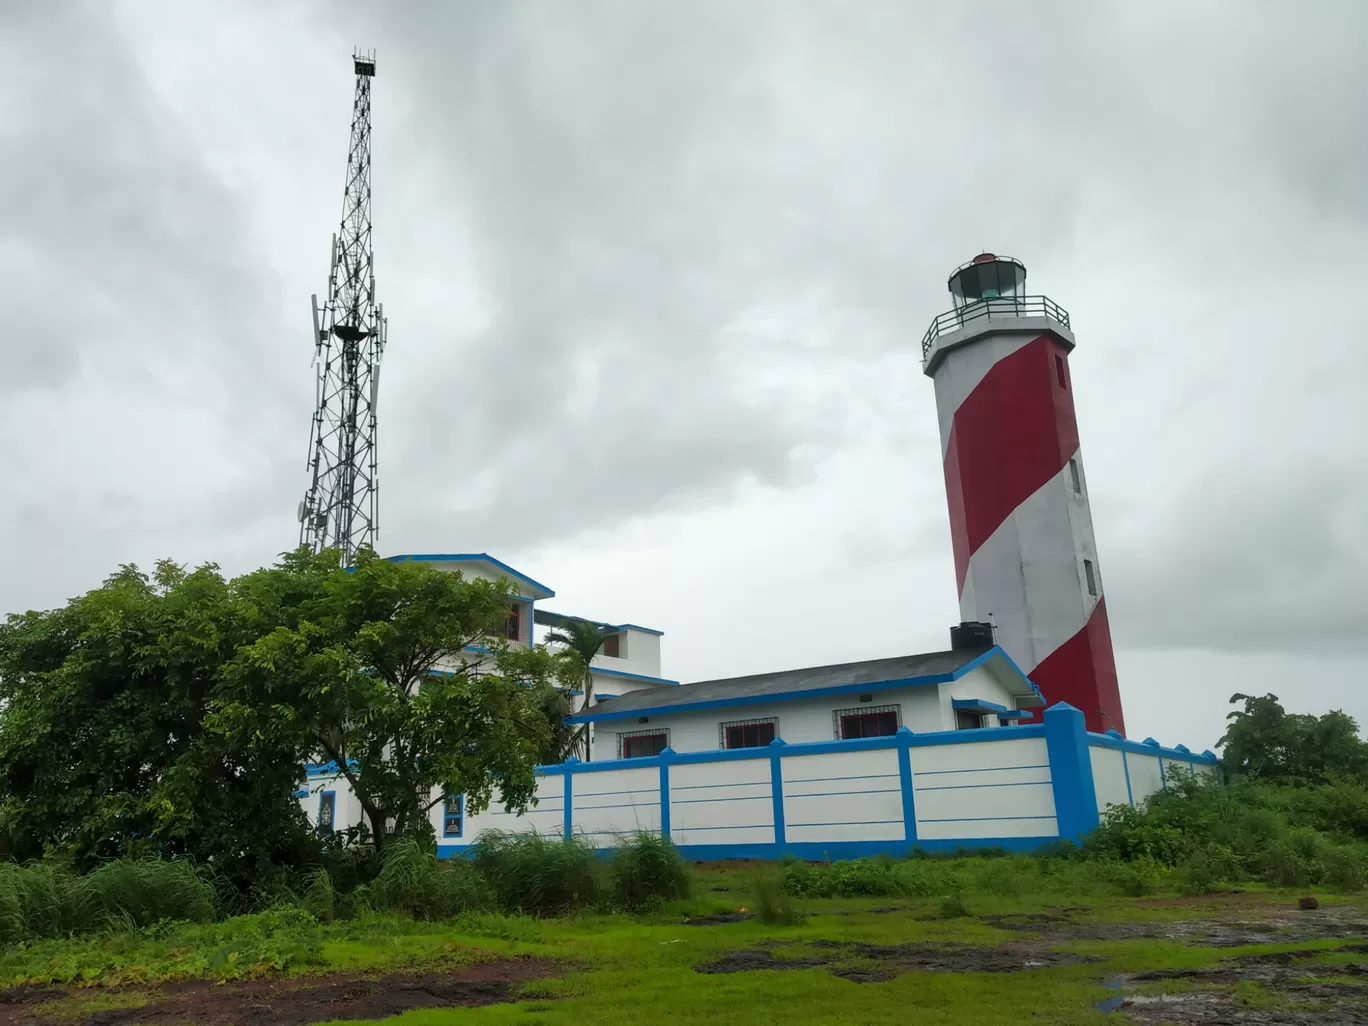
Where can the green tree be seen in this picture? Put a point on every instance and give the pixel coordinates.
(580, 641)
(398, 674)
(102, 745)
(1264, 741)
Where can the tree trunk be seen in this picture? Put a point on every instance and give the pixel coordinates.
(377, 824)
(588, 727)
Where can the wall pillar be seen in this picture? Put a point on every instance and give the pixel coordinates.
(1075, 795)
(665, 756)
(909, 800)
(776, 750)
(569, 766)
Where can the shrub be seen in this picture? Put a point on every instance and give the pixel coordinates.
(952, 906)
(647, 871)
(535, 874)
(774, 902)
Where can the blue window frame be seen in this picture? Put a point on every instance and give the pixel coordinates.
(327, 812)
(453, 815)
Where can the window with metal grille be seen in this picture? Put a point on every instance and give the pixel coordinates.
(453, 815)
(635, 744)
(513, 627)
(747, 733)
(866, 721)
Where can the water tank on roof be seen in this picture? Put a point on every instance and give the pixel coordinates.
(971, 635)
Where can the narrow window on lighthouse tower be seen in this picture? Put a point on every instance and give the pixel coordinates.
(1091, 576)
(1073, 476)
(1059, 370)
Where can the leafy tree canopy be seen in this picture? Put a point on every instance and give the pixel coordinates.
(1265, 741)
(102, 746)
(173, 713)
(398, 674)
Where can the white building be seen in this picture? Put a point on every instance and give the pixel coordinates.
(928, 751)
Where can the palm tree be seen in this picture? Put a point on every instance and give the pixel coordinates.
(582, 641)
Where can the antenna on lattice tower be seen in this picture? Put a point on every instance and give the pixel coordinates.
(341, 508)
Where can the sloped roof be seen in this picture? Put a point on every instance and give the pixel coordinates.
(813, 681)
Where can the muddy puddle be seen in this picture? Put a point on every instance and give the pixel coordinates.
(719, 918)
(1296, 990)
(1250, 926)
(277, 1002)
(872, 963)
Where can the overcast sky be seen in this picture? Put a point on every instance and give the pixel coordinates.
(656, 276)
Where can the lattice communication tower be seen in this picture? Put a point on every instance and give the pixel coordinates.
(341, 508)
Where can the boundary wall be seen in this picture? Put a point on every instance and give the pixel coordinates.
(1018, 788)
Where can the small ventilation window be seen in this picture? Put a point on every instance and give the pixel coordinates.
(967, 720)
(1059, 371)
(1074, 476)
(1091, 575)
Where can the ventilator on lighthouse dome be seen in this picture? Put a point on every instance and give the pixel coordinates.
(1021, 527)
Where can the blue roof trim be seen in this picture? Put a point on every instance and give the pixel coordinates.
(787, 696)
(326, 769)
(1150, 747)
(632, 676)
(634, 627)
(1013, 714)
(472, 557)
(978, 705)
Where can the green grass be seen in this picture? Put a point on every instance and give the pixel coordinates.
(640, 967)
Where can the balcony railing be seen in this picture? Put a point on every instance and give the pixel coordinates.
(1010, 306)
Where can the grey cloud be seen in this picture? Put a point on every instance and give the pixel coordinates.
(1277, 563)
(636, 254)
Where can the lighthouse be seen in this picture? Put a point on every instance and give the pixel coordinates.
(1020, 524)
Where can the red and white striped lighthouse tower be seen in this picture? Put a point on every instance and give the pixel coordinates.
(1022, 532)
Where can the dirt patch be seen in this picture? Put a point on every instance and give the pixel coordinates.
(280, 1002)
(719, 918)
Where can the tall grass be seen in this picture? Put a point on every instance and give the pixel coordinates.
(647, 871)
(47, 900)
(539, 875)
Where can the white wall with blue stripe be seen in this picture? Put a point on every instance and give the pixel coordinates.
(1013, 787)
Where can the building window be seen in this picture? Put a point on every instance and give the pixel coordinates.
(748, 733)
(1091, 575)
(637, 744)
(424, 796)
(866, 721)
(327, 812)
(513, 627)
(612, 646)
(1074, 476)
(1059, 371)
(966, 720)
(453, 815)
